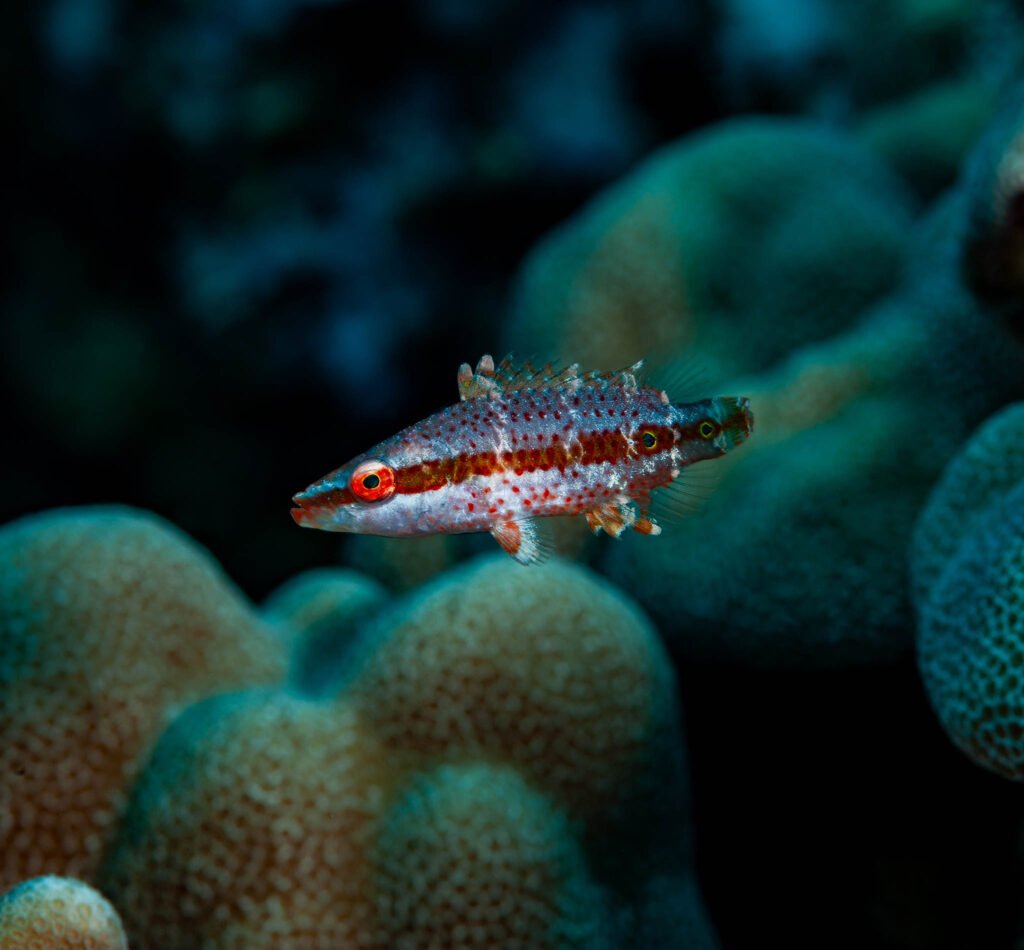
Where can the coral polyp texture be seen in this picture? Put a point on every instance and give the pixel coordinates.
(968, 567)
(250, 828)
(548, 669)
(501, 766)
(474, 856)
(320, 612)
(772, 232)
(57, 913)
(110, 619)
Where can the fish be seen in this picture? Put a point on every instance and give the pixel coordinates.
(524, 444)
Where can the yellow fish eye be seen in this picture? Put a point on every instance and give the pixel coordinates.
(649, 439)
(707, 429)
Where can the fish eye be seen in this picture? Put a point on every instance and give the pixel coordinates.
(373, 481)
(649, 439)
(707, 429)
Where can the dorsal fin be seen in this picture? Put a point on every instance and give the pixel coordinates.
(509, 377)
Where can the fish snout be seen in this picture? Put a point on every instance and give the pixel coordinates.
(316, 507)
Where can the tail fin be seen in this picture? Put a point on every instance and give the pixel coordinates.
(736, 418)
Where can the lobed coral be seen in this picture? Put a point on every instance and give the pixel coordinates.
(968, 566)
(56, 913)
(320, 611)
(501, 767)
(569, 688)
(472, 856)
(799, 557)
(111, 619)
(770, 232)
(251, 827)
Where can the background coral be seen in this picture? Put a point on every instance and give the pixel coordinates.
(800, 557)
(55, 913)
(319, 613)
(740, 243)
(968, 560)
(111, 619)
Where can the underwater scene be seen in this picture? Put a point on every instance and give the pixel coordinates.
(512, 475)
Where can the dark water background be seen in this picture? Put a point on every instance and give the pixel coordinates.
(244, 241)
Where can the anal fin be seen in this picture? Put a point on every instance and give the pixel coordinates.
(613, 516)
(521, 540)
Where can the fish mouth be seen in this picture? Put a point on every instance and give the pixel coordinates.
(311, 510)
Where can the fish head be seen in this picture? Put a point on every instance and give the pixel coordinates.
(712, 427)
(358, 498)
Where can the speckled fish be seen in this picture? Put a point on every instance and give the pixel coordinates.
(523, 444)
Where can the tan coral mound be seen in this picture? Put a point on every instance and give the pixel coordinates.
(250, 828)
(319, 613)
(547, 669)
(111, 619)
(53, 913)
(472, 857)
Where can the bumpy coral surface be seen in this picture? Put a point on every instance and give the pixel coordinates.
(547, 669)
(800, 557)
(55, 913)
(767, 232)
(110, 620)
(320, 611)
(501, 767)
(250, 828)
(467, 844)
(968, 559)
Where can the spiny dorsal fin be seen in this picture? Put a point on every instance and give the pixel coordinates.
(481, 383)
(509, 377)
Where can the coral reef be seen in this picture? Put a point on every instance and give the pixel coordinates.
(501, 766)
(111, 619)
(824, 473)
(771, 232)
(569, 688)
(250, 828)
(926, 136)
(56, 913)
(319, 613)
(968, 567)
(463, 846)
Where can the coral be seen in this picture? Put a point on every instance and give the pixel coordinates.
(320, 610)
(110, 619)
(462, 847)
(548, 669)
(799, 558)
(55, 913)
(993, 254)
(502, 763)
(402, 564)
(926, 135)
(968, 566)
(771, 232)
(250, 828)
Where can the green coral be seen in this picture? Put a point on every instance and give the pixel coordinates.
(968, 566)
(741, 241)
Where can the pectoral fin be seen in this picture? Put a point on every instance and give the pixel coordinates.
(521, 540)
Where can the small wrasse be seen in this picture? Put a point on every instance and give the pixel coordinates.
(523, 444)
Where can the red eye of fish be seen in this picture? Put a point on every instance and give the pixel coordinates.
(708, 429)
(373, 481)
(650, 440)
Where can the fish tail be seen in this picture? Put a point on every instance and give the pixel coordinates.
(736, 419)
